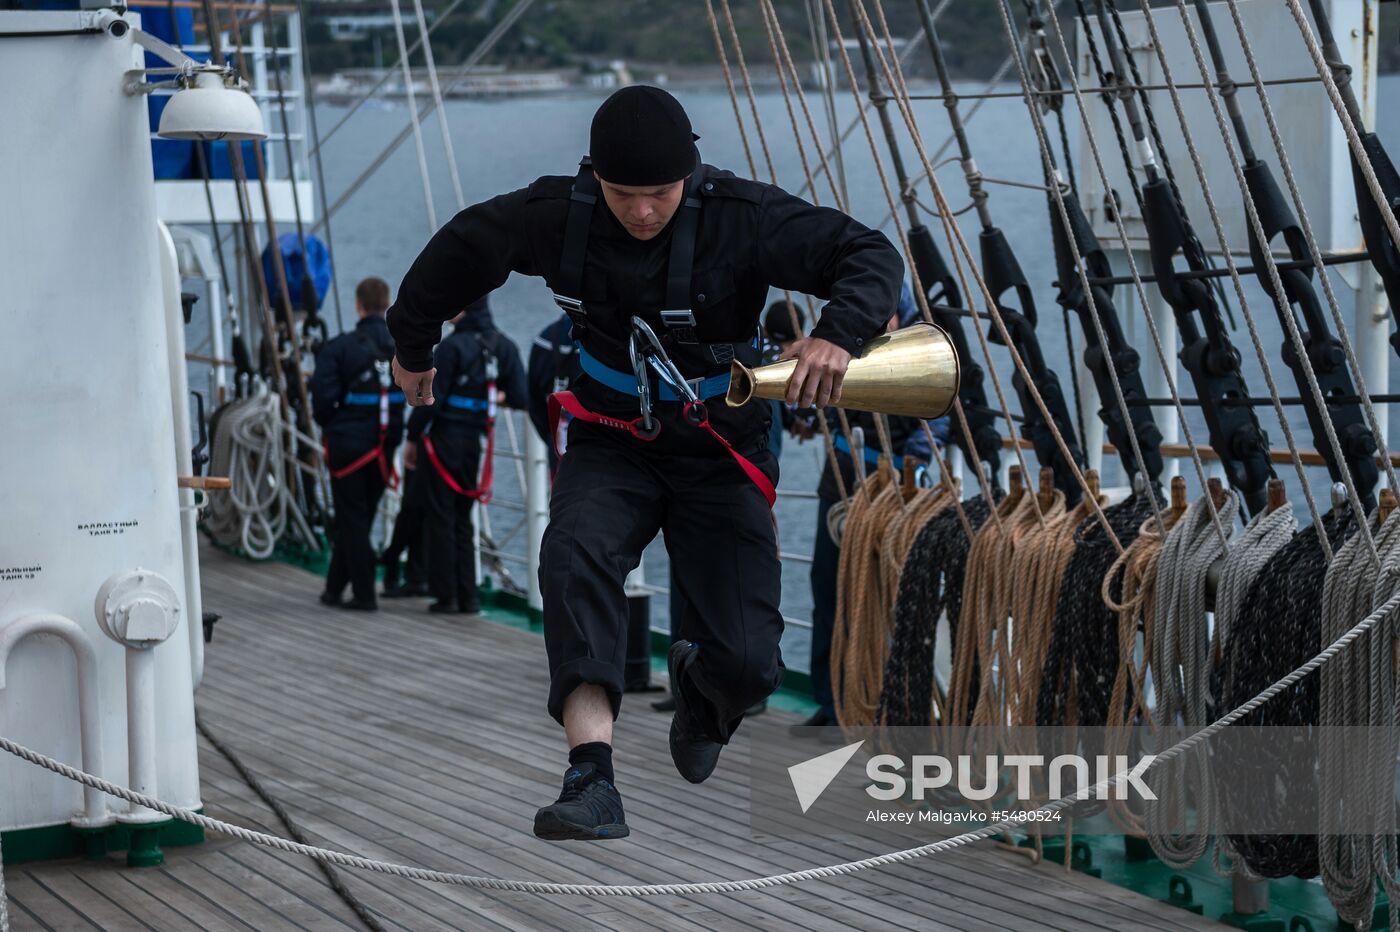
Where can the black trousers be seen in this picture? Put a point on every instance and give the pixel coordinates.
(356, 498)
(410, 527)
(451, 554)
(611, 496)
(826, 558)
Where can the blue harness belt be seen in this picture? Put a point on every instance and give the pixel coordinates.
(625, 383)
(467, 404)
(371, 398)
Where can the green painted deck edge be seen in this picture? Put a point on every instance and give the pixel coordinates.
(1295, 905)
(55, 842)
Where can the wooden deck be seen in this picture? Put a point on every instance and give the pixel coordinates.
(405, 736)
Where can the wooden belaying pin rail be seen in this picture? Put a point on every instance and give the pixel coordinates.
(1047, 489)
(1179, 502)
(204, 483)
(1386, 503)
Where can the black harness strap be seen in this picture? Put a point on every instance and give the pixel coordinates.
(678, 316)
(584, 195)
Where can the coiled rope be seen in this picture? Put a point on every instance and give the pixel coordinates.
(930, 586)
(1180, 664)
(249, 446)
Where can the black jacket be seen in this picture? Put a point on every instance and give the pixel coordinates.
(751, 237)
(553, 364)
(345, 387)
(460, 360)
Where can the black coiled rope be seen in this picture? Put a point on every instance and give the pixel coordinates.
(1277, 631)
(1081, 660)
(931, 581)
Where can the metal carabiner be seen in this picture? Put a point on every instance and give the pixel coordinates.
(639, 369)
(655, 354)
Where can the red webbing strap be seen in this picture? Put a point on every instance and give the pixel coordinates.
(391, 475)
(483, 492)
(566, 401)
(755, 474)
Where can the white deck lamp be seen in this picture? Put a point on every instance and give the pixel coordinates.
(212, 103)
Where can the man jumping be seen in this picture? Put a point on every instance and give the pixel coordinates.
(664, 265)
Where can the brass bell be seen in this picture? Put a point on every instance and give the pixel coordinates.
(912, 372)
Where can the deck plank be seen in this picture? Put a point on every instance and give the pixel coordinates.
(422, 739)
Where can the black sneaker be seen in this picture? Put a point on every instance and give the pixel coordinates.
(406, 591)
(694, 755)
(589, 809)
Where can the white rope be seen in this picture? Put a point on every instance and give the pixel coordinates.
(1357, 691)
(1264, 535)
(1180, 662)
(407, 69)
(249, 447)
(437, 104)
(4, 899)
(1390, 574)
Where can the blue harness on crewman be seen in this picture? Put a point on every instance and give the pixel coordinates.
(626, 383)
(370, 398)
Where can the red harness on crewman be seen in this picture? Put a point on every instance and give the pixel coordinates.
(386, 469)
(695, 412)
(482, 493)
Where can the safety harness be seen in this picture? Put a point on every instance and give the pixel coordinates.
(645, 349)
(383, 398)
(482, 492)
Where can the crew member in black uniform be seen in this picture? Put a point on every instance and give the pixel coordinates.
(553, 368)
(647, 233)
(361, 417)
(445, 439)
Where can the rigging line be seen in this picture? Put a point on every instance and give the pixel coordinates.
(437, 101)
(777, 41)
(863, 104)
(773, 175)
(462, 74)
(920, 294)
(1285, 163)
(947, 144)
(1229, 258)
(249, 234)
(306, 424)
(765, 9)
(309, 98)
(1167, 364)
(407, 70)
(384, 78)
(1350, 127)
(816, 28)
(1058, 196)
(1256, 225)
(958, 242)
(1010, 270)
(291, 161)
(1016, 95)
(1126, 48)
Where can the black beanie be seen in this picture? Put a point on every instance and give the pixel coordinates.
(641, 136)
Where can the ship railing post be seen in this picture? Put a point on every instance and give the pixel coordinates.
(536, 514)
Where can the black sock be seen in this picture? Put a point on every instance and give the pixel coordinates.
(597, 753)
